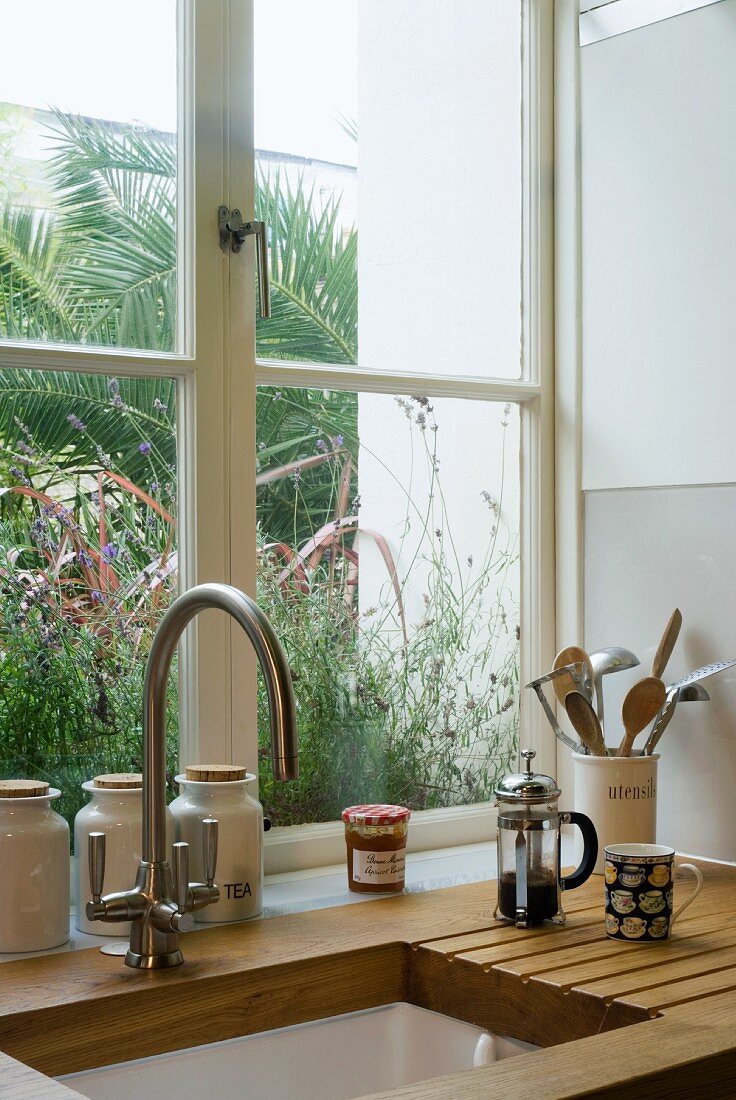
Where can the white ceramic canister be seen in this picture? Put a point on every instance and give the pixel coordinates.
(34, 857)
(115, 808)
(619, 795)
(221, 791)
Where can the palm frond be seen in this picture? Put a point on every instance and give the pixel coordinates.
(33, 303)
(313, 268)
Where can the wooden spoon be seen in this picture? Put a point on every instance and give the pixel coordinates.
(641, 705)
(563, 685)
(667, 643)
(585, 722)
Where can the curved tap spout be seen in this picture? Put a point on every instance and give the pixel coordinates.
(158, 908)
(284, 750)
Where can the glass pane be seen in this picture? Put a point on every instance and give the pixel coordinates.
(399, 124)
(88, 564)
(388, 563)
(88, 174)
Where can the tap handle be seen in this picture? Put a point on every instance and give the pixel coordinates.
(96, 849)
(181, 875)
(209, 848)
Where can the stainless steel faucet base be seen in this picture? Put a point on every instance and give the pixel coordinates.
(154, 962)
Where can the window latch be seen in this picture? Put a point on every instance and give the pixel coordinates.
(233, 231)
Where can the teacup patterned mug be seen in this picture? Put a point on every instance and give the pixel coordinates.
(639, 888)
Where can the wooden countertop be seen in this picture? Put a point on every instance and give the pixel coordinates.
(440, 950)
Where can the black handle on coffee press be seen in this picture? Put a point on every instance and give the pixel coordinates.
(590, 849)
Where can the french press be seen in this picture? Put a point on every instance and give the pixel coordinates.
(529, 879)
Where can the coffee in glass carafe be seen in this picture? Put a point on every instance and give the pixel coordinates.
(529, 878)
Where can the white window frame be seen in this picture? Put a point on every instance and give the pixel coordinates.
(217, 374)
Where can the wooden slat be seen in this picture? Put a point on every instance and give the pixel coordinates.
(660, 997)
(633, 985)
(505, 936)
(531, 951)
(581, 974)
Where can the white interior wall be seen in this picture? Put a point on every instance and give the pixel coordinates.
(659, 385)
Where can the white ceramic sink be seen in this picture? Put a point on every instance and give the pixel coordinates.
(339, 1058)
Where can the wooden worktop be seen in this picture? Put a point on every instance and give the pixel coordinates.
(442, 950)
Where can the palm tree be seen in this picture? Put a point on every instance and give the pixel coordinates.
(100, 268)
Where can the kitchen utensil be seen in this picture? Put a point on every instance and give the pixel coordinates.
(576, 673)
(611, 659)
(703, 673)
(572, 654)
(529, 881)
(640, 706)
(689, 694)
(667, 643)
(585, 721)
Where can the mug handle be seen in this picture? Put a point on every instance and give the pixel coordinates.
(590, 850)
(698, 887)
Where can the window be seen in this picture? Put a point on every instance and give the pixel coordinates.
(376, 471)
(399, 423)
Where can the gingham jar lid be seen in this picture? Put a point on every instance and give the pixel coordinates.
(375, 814)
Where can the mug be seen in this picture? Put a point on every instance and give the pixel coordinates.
(639, 889)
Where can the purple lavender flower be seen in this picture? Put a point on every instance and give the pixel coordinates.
(114, 386)
(84, 558)
(117, 402)
(145, 448)
(321, 445)
(154, 486)
(110, 551)
(76, 422)
(159, 406)
(19, 475)
(338, 440)
(96, 596)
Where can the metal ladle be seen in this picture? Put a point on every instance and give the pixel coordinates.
(604, 661)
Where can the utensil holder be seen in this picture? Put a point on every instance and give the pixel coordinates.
(619, 795)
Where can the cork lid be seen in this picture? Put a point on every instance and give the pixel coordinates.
(119, 781)
(22, 788)
(215, 773)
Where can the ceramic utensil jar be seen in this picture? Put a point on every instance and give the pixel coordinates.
(529, 880)
(221, 791)
(115, 808)
(34, 856)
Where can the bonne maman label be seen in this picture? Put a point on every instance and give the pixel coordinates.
(631, 792)
(379, 867)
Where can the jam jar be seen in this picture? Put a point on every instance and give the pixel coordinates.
(375, 837)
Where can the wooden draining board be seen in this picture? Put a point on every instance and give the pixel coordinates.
(551, 986)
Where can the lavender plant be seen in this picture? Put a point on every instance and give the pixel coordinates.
(87, 566)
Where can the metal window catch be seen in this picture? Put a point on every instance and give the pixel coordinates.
(233, 231)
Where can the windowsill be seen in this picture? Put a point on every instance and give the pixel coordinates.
(326, 887)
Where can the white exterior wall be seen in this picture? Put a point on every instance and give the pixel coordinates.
(439, 201)
(439, 186)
